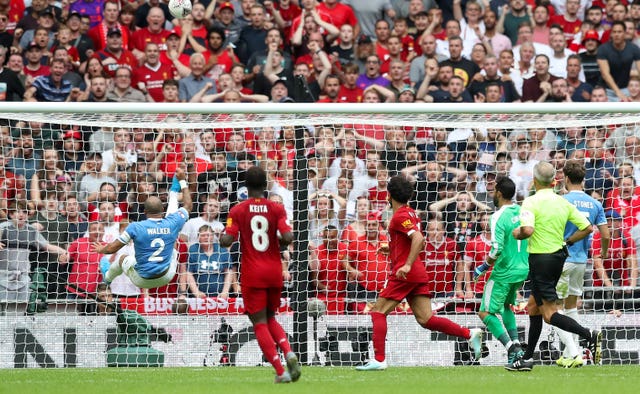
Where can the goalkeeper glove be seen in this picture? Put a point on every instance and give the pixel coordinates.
(480, 270)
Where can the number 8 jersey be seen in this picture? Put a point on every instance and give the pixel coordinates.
(257, 221)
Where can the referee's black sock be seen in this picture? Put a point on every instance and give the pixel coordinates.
(568, 324)
(535, 328)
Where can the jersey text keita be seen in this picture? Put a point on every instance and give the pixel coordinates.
(258, 208)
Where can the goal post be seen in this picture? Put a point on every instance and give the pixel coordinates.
(328, 164)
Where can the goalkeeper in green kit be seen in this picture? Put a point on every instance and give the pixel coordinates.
(509, 259)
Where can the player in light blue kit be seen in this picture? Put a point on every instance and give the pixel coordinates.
(155, 260)
(571, 282)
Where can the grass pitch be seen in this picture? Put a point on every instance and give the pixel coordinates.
(454, 380)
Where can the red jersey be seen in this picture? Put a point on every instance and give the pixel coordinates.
(331, 270)
(126, 59)
(153, 78)
(288, 15)
(476, 254)
(296, 22)
(620, 248)
(42, 71)
(628, 209)
(140, 38)
(570, 29)
(85, 266)
(257, 221)
(378, 198)
(341, 14)
(440, 260)
(350, 95)
(15, 14)
(374, 266)
(404, 223)
(221, 65)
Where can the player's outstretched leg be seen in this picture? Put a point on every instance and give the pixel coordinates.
(115, 269)
(268, 347)
(278, 334)
(473, 336)
(496, 328)
(514, 349)
(379, 337)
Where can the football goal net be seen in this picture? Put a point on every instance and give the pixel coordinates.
(73, 175)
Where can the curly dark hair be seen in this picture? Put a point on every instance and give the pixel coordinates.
(400, 189)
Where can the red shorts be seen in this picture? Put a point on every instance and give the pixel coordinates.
(398, 290)
(256, 299)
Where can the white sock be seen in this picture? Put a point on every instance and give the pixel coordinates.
(570, 348)
(114, 270)
(173, 203)
(573, 313)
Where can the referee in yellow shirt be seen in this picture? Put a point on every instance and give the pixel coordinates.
(542, 220)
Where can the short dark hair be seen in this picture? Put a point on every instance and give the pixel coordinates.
(170, 82)
(256, 179)
(400, 189)
(575, 171)
(506, 186)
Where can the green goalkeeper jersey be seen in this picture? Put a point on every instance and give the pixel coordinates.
(512, 259)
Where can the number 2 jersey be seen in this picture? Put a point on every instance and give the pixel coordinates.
(153, 242)
(404, 223)
(257, 221)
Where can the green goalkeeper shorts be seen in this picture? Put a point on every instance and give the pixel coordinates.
(498, 294)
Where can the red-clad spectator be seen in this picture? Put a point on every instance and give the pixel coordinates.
(569, 21)
(150, 77)
(441, 256)
(475, 254)
(114, 55)
(8, 184)
(34, 67)
(14, 11)
(378, 194)
(383, 32)
(341, 14)
(349, 91)
(365, 256)
(195, 27)
(625, 200)
(621, 266)
(154, 32)
(358, 227)
(330, 267)
(288, 11)
(168, 144)
(85, 263)
(63, 40)
(310, 9)
(218, 59)
(173, 56)
(99, 34)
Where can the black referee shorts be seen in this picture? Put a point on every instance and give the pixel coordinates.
(544, 272)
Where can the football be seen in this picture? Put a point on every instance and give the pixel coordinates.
(179, 8)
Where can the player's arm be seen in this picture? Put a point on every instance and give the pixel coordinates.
(417, 245)
(527, 224)
(605, 239)
(582, 223)
(226, 240)
(187, 202)
(110, 248)
(286, 235)
(598, 267)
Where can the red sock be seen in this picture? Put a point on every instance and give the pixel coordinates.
(268, 346)
(446, 326)
(279, 335)
(379, 334)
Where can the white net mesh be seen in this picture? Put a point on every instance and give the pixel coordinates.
(330, 171)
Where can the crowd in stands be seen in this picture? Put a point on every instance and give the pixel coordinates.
(64, 187)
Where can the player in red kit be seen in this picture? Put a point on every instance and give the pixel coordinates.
(408, 279)
(257, 221)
